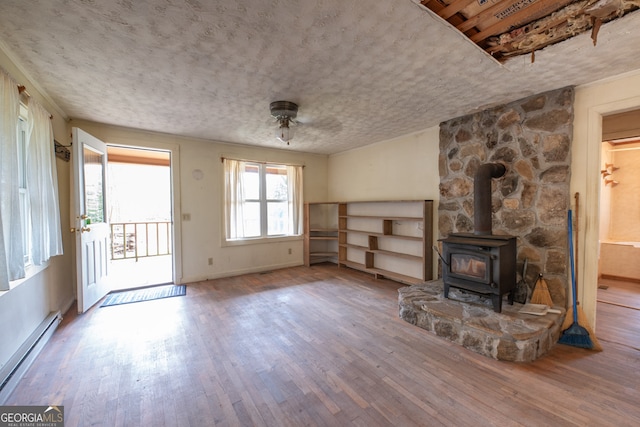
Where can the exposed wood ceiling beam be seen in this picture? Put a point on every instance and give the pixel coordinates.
(523, 17)
(472, 21)
(454, 20)
(505, 28)
(454, 8)
(530, 13)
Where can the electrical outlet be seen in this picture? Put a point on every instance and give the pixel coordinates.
(210, 261)
(186, 217)
(290, 251)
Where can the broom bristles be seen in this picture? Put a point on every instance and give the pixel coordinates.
(576, 336)
(583, 322)
(541, 294)
(568, 319)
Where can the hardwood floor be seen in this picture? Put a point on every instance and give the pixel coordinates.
(618, 312)
(317, 346)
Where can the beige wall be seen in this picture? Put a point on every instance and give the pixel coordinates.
(202, 236)
(592, 102)
(404, 168)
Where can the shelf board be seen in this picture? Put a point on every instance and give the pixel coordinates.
(351, 245)
(395, 236)
(396, 254)
(378, 272)
(323, 237)
(390, 218)
(353, 264)
(383, 252)
(395, 276)
(323, 254)
(324, 230)
(321, 260)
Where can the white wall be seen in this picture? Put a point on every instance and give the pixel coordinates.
(404, 168)
(202, 235)
(592, 102)
(23, 308)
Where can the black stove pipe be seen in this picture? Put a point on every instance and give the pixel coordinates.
(482, 197)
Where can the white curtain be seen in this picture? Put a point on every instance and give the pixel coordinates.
(11, 247)
(42, 186)
(234, 198)
(294, 185)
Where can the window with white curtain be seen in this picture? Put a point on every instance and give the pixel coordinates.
(262, 200)
(30, 230)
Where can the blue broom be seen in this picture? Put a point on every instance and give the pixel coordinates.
(575, 334)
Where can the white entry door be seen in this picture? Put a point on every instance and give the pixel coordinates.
(90, 218)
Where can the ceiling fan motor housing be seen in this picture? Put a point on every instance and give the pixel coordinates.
(284, 109)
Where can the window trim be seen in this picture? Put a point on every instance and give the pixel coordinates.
(257, 240)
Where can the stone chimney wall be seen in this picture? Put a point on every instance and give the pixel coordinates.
(532, 138)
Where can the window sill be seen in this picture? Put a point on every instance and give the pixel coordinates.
(29, 272)
(260, 240)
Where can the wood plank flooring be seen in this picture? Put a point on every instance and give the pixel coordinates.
(317, 346)
(618, 312)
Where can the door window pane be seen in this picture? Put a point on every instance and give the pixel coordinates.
(93, 185)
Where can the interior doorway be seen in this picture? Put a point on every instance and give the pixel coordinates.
(139, 200)
(618, 293)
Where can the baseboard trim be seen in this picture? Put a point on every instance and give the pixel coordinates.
(17, 366)
(620, 278)
(240, 272)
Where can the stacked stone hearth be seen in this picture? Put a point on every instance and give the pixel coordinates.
(532, 138)
(470, 321)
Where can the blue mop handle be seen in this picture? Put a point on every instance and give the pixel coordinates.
(573, 276)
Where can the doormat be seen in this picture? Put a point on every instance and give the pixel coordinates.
(145, 294)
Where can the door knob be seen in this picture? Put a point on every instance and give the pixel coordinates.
(83, 229)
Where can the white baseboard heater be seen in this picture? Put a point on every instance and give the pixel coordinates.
(16, 367)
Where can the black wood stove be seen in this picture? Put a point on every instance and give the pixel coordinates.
(481, 262)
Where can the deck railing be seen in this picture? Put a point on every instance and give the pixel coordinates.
(140, 239)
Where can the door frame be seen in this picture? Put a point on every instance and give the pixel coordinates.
(118, 137)
(173, 149)
(591, 217)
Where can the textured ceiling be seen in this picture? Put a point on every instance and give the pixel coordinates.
(361, 72)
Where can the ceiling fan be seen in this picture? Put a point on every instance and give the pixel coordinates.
(285, 113)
